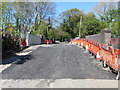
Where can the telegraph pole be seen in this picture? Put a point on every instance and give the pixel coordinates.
(119, 24)
(48, 23)
(48, 27)
(80, 27)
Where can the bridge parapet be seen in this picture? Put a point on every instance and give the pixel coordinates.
(103, 37)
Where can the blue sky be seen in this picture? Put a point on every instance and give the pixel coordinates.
(85, 6)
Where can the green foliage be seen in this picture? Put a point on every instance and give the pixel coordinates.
(67, 36)
(41, 30)
(70, 19)
(108, 15)
(13, 45)
(50, 34)
(90, 25)
(28, 16)
(25, 16)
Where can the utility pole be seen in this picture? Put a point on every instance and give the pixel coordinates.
(48, 27)
(119, 24)
(80, 27)
(48, 23)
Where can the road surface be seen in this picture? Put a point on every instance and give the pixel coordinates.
(54, 62)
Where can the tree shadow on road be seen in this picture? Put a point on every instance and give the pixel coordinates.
(24, 59)
(17, 59)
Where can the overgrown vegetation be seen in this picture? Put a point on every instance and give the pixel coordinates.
(24, 17)
(33, 17)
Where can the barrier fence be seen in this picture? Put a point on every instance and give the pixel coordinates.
(109, 56)
(115, 42)
(23, 43)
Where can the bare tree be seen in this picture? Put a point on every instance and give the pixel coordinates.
(101, 8)
(42, 10)
(23, 14)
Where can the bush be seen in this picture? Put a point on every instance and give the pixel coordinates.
(10, 43)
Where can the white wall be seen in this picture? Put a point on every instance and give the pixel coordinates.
(32, 39)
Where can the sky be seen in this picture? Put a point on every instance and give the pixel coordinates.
(85, 6)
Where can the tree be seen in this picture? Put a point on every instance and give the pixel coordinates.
(29, 15)
(42, 10)
(23, 15)
(41, 30)
(51, 34)
(71, 23)
(108, 13)
(102, 8)
(6, 14)
(119, 19)
(70, 19)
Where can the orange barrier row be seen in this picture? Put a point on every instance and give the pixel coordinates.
(47, 41)
(92, 46)
(107, 53)
(102, 52)
(116, 60)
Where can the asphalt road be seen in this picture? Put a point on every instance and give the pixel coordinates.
(57, 62)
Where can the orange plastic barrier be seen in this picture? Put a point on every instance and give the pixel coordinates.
(76, 42)
(103, 52)
(96, 49)
(47, 41)
(107, 53)
(93, 47)
(111, 58)
(90, 45)
(81, 42)
(86, 43)
(23, 42)
(73, 41)
(116, 60)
